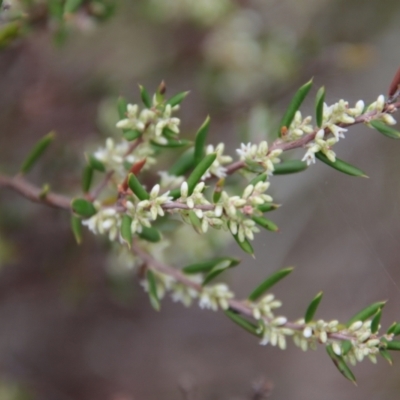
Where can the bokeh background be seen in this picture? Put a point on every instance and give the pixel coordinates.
(74, 324)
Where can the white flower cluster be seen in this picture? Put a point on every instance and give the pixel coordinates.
(106, 220)
(217, 167)
(179, 291)
(274, 333)
(117, 157)
(230, 212)
(215, 296)
(315, 332)
(151, 121)
(263, 308)
(252, 153)
(364, 343)
(334, 117)
(142, 212)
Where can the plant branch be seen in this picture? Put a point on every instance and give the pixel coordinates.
(33, 193)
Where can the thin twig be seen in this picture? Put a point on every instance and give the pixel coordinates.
(33, 193)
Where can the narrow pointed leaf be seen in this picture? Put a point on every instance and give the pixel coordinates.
(87, 178)
(146, 99)
(393, 345)
(289, 167)
(76, 227)
(386, 355)
(217, 270)
(207, 266)
(131, 134)
(201, 138)
(294, 105)
(172, 143)
(346, 347)
(195, 221)
(184, 163)
(341, 166)
(394, 328)
(385, 129)
(177, 99)
(265, 223)
(199, 171)
(126, 232)
(122, 106)
(312, 308)
(72, 5)
(175, 193)
(268, 207)
(245, 245)
(150, 234)
(319, 106)
(341, 365)
(154, 300)
(269, 282)
(37, 152)
(258, 178)
(83, 207)
(376, 321)
(44, 191)
(95, 163)
(366, 312)
(137, 188)
(242, 322)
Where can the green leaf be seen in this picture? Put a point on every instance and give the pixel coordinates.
(269, 282)
(87, 177)
(346, 347)
(131, 134)
(217, 270)
(312, 308)
(195, 221)
(76, 227)
(367, 312)
(95, 163)
(319, 106)
(122, 106)
(341, 365)
(83, 207)
(266, 207)
(137, 188)
(341, 166)
(172, 143)
(265, 223)
(245, 245)
(393, 345)
(385, 129)
(242, 322)
(386, 355)
(154, 300)
(8, 33)
(289, 167)
(126, 232)
(146, 99)
(150, 234)
(207, 266)
(72, 5)
(37, 152)
(175, 193)
(376, 321)
(177, 99)
(259, 178)
(394, 328)
(199, 171)
(184, 163)
(201, 138)
(295, 105)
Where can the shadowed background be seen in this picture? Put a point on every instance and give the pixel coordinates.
(71, 330)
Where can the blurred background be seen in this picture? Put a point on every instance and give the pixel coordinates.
(74, 322)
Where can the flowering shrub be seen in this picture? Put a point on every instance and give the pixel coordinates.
(197, 191)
